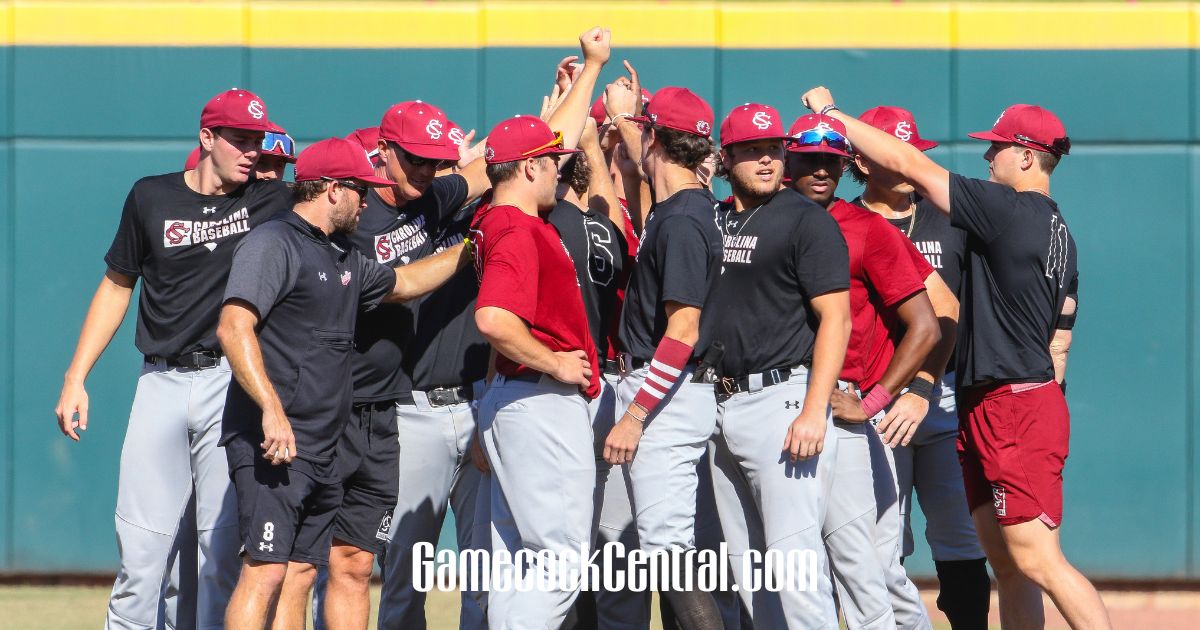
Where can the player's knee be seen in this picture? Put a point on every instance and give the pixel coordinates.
(265, 578)
(349, 563)
(301, 575)
(1036, 565)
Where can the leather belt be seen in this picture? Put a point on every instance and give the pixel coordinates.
(198, 360)
(728, 386)
(441, 396)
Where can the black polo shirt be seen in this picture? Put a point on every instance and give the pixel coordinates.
(307, 292)
(678, 260)
(447, 349)
(181, 243)
(1021, 265)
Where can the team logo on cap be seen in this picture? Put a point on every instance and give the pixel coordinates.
(998, 118)
(489, 153)
(434, 129)
(456, 136)
(903, 130)
(255, 109)
(345, 278)
(703, 127)
(762, 120)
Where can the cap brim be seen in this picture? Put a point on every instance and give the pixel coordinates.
(821, 148)
(264, 127)
(989, 136)
(431, 151)
(641, 120)
(924, 145)
(372, 180)
(286, 158)
(552, 151)
(754, 138)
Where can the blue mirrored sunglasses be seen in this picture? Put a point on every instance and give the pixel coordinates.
(814, 137)
(279, 143)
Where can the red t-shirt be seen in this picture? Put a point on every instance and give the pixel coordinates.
(525, 269)
(614, 322)
(885, 268)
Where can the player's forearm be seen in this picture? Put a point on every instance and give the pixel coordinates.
(631, 137)
(240, 345)
(103, 318)
(945, 308)
(921, 335)
(829, 350)
(510, 336)
(477, 182)
(427, 274)
(1060, 347)
(570, 117)
(895, 155)
(602, 197)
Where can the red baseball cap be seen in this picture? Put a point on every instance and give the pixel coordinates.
(238, 109)
(752, 121)
(367, 138)
(522, 137)
(337, 158)
(600, 114)
(419, 128)
(814, 133)
(899, 122)
(679, 109)
(456, 133)
(192, 160)
(1029, 126)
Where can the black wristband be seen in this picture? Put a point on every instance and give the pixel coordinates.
(828, 108)
(921, 387)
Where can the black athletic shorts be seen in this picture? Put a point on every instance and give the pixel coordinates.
(285, 512)
(368, 458)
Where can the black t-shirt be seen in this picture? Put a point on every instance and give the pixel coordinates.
(307, 292)
(598, 249)
(1021, 265)
(395, 236)
(678, 260)
(942, 244)
(777, 258)
(447, 349)
(181, 244)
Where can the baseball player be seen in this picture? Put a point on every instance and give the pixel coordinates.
(667, 419)
(278, 150)
(781, 309)
(894, 329)
(929, 462)
(287, 324)
(177, 233)
(1016, 298)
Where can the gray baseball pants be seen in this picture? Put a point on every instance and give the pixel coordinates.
(768, 503)
(170, 449)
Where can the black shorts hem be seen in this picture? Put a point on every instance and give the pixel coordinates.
(375, 546)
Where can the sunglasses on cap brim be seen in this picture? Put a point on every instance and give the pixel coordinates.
(556, 143)
(814, 137)
(1060, 146)
(279, 144)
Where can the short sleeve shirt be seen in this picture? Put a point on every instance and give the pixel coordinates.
(678, 260)
(396, 236)
(885, 269)
(1021, 265)
(598, 251)
(181, 244)
(777, 258)
(525, 269)
(307, 292)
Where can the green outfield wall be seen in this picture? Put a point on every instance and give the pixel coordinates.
(96, 95)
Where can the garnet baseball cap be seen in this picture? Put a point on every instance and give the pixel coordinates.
(419, 128)
(814, 133)
(600, 114)
(192, 160)
(456, 133)
(522, 137)
(1029, 126)
(367, 138)
(337, 158)
(238, 109)
(899, 122)
(752, 121)
(679, 109)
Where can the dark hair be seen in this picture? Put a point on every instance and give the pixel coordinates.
(308, 190)
(685, 149)
(856, 173)
(576, 173)
(1048, 161)
(502, 172)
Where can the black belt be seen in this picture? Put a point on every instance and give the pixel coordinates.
(442, 396)
(199, 360)
(611, 367)
(728, 386)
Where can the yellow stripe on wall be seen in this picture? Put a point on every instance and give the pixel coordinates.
(663, 23)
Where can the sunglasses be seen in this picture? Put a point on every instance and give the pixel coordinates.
(814, 137)
(279, 143)
(1061, 146)
(419, 161)
(556, 143)
(352, 185)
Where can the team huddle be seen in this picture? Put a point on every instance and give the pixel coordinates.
(560, 333)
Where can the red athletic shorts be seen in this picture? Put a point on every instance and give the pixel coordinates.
(1012, 444)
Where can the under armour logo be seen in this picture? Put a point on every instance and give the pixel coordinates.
(434, 129)
(256, 110)
(703, 127)
(791, 404)
(903, 130)
(762, 120)
(268, 547)
(209, 209)
(731, 225)
(321, 275)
